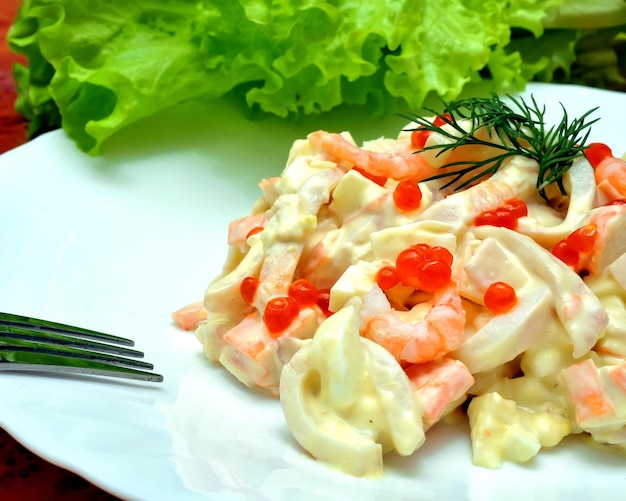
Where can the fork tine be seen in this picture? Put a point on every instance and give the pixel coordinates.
(12, 320)
(13, 332)
(93, 370)
(38, 358)
(29, 344)
(35, 347)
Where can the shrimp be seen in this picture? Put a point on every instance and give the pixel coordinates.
(610, 177)
(396, 165)
(441, 386)
(188, 317)
(439, 332)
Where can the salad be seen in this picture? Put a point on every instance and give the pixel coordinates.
(473, 265)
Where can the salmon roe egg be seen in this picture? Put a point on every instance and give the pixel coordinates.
(387, 278)
(439, 253)
(247, 289)
(498, 217)
(486, 218)
(584, 238)
(279, 313)
(434, 275)
(516, 207)
(304, 292)
(407, 263)
(421, 248)
(407, 195)
(505, 216)
(423, 266)
(566, 253)
(500, 297)
(323, 301)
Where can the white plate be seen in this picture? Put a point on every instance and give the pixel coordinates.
(119, 241)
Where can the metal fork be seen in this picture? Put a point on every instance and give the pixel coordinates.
(31, 344)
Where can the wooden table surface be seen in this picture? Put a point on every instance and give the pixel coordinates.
(23, 475)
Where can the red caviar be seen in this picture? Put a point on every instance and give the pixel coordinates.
(505, 216)
(304, 292)
(578, 242)
(517, 207)
(423, 266)
(248, 288)
(566, 253)
(584, 238)
(500, 297)
(407, 263)
(439, 253)
(486, 218)
(596, 152)
(434, 275)
(387, 277)
(407, 195)
(422, 248)
(323, 301)
(279, 313)
(497, 217)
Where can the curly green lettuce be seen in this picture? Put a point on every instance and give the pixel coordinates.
(95, 67)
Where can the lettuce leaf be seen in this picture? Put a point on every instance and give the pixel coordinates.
(97, 66)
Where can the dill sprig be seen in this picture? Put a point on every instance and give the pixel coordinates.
(520, 129)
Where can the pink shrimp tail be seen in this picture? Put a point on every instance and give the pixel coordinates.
(394, 165)
(189, 317)
(439, 333)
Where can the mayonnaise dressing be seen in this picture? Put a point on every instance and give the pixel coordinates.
(347, 401)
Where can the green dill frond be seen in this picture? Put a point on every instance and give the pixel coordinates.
(520, 128)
